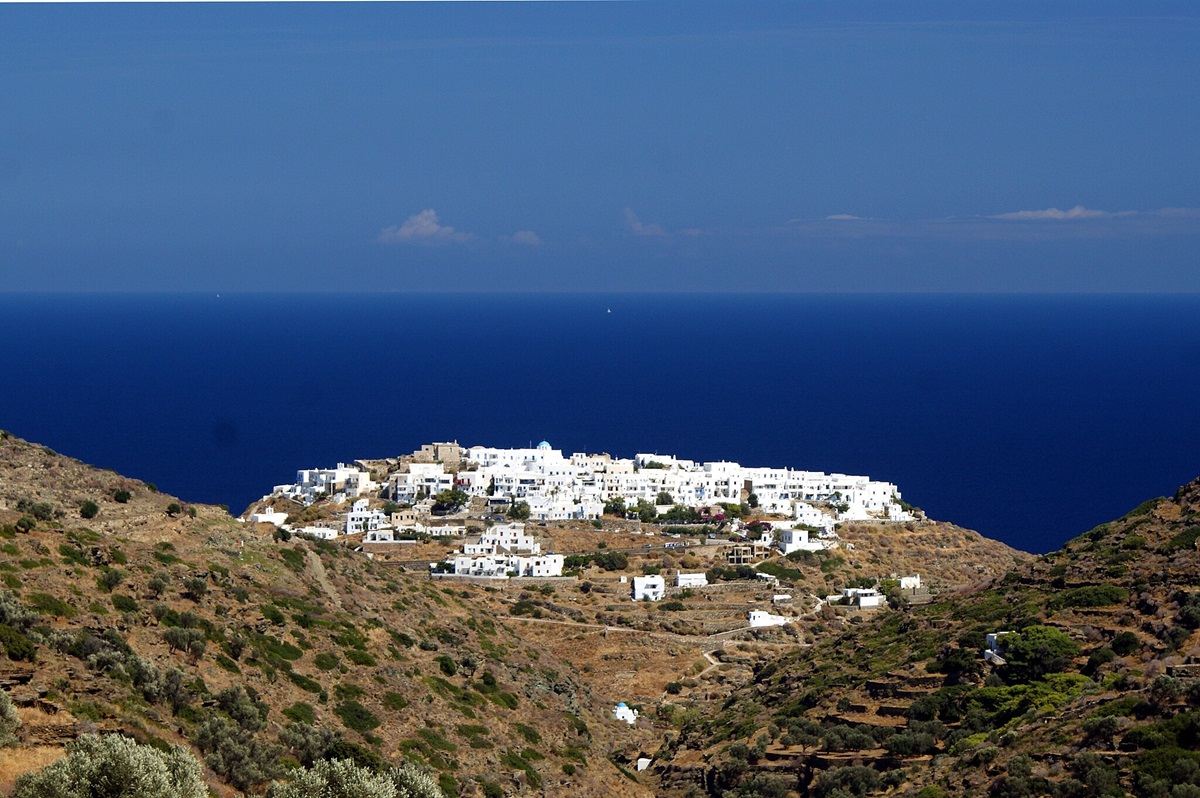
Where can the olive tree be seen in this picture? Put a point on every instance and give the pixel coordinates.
(341, 778)
(114, 766)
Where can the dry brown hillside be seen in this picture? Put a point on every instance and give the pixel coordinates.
(148, 617)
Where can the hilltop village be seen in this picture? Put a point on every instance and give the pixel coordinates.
(486, 495)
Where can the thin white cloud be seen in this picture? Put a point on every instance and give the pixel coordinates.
(422, 228)
(526, 238)
(638, 228)
(1054, 214)
(844, 217)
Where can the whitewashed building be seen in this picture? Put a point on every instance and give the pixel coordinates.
(362, 518)
(648, 588)
(690, 580)
(759, 618)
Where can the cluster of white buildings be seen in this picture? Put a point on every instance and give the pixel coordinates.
(557, 487)
(501, 552)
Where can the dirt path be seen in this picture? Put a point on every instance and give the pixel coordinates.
(317, 571)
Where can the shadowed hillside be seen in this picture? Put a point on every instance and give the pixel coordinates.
(1094, 692)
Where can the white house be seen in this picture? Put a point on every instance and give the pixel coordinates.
(648, 588)
(690, 580)
(910, 582)
(322, 532)
(789, 539)
(269, 516)
(864, 597)
(363, 519)
(993, 649)
(759, 618)
(506, 538)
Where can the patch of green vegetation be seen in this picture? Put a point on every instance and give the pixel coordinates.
(72, 555)
(1090, 596)
(166, 558)
(273, 614)
(1124, 707)
(16, 644)
(442, 687)
(326, 660)
(529, 733)
(300, 712)
(506, 700)
(304, 682)
(355, 716)
(293, 558)
(1145, 508)
(780, 571)
(519, 761)
(394, 701)
(124, 603)
(402, 639)
(347, 691)
(227, 664)
(86, 710)
(273, 647)
(359, 657)
(50, 605)
(436, 741)
(1184, 540)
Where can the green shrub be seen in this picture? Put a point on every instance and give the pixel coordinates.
(73, 555)
(348, 690)
(114, 766)
(326, 660)
(446, 664)
(1184, 540)
(436, 741)
(9, 721)
(235, 754)
(227, 664)
(50, 605)
(1125, 643)
(273, 614)
(1090, 596)
(110, 578)
(343, 778)
(394, 701)
(16, 645)
(359, 657)
(529, 733)
(304, 682)
(301, 712)
(672, 606)
(124, 603)
(88, 509)
(355, 716)
(121, 496)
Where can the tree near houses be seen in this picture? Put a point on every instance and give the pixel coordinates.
(449, 501)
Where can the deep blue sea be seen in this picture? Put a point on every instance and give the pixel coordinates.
(1028, 418)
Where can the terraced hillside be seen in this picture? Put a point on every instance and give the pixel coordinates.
(1095, 692)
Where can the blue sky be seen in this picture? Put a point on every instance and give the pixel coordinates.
(600, 147)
